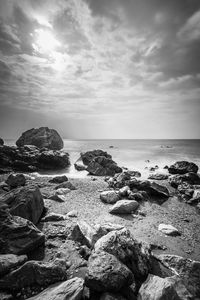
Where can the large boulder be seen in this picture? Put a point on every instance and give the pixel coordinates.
(16, 180)
(26, 202)
(71, 290)
(134, 254)
(124, 207)
(152, 188)
(10, 261)
(103, 166)
(18, 235)
(88, 156)
(107, 273)
(183, 167)
(42, 137)
(33, 273)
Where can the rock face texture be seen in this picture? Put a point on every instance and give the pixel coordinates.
(10, 261)
(183, 167)
(71, 290)
(42, 137)
(18, 236)
(107, 273)
(97, 162)
(26, 202)
(31, 159)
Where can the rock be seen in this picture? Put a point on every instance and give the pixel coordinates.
(102, 166)
(6, 296)
(138, 196)
(53, 160)
(152, 188)
(10, 261)
(133, 173)
(42, 137)
(124, 207)
(124, 191)
(26, 202)
(16, 180)
(107, 273)
(71, 290)
(1, 142)
(72, 214)
(190, 178)
(88, 156)
(60, 194)
(158, 176)
(120, 180)
(53, 217)
(135, 255)
(18, 235)
(157, 288)
(183, 167)
(59, 179)
(188, 270)
(79, 166)
(110, 296)
(185, 188)
(33, 273)
(196, 196)
(168, 230)
(66, 185)
(109, 197)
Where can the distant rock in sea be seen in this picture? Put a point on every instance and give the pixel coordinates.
(42, 137)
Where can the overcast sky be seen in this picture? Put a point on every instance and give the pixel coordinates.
(100, 68)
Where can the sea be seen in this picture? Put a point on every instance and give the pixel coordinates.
(134, 154)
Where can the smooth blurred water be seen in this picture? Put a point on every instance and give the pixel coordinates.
(134, 154)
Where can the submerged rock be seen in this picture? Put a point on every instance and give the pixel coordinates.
(124, 207)
(183, 167)
(42, 137)
(152, 188)
(107, 273)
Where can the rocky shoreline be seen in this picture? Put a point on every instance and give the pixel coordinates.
(101, 237)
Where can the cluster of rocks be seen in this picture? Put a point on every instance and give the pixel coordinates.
(97, 162)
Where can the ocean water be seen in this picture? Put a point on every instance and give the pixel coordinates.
(134, 154)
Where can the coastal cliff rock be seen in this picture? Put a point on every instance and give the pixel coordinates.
(97, 162)
(183, 167)
(42, 137)
(26, 202)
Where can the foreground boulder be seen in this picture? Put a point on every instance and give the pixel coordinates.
(18, 235)
(124, 207)
(107, 273)
(26, 202)
(129, 251)
(10, 261)
(183, 167)
(71, 290)
(152, 188)
(42, 137)
(16, 180)
(33, 273)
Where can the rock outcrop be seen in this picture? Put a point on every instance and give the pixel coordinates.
(183, 167)
(42, 137)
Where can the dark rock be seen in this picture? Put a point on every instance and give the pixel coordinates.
(69, 290)
(138, 196)
(25, 202)
(152, 188)
(1, 142)
(190, 178)
(16, 180)
(120, 180)
(107, 273)
(110, 197)
(52, 217)
(133, 173)
(41, 137)
(6, 296)
(53, 160)
(124, 207)
(59, 179)
(110, 296)
(10, 261)
(183, 167)
(88, 156)
(103, 166)
(135, 255)
(158, 176)
(196, 196)
(17, 235)
(33, 273)
(65, 185)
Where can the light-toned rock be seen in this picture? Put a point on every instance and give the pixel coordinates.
(109, 197)
(53, 217)
(124, 207)
(72, 214)
(124, 191)
(168, 229)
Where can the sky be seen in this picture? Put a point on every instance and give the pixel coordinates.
(100, 68)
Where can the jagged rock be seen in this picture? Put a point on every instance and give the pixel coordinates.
(187, 269)
(152, 188)
(124, 191)
(18, 235)
(110, 197)
(138, 196)
(59, 179)
(110, 296)
(53, 160)
(16, 180)
(158, 176)
(124, 207)
(103, 166)
(135, 255)
(10, 261)
(69, 290)
(79, 166)
(190, 178)
(120, 180)
(88, 156)
(66, 185)
(26, 202)
(107, 273)
(1, 142)
(42, 137)
(168, 229)
(183, 167)
(53, 217)
(133, 173)
(157, 288)
(31, 274)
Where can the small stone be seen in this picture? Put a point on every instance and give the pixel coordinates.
(168, 230)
